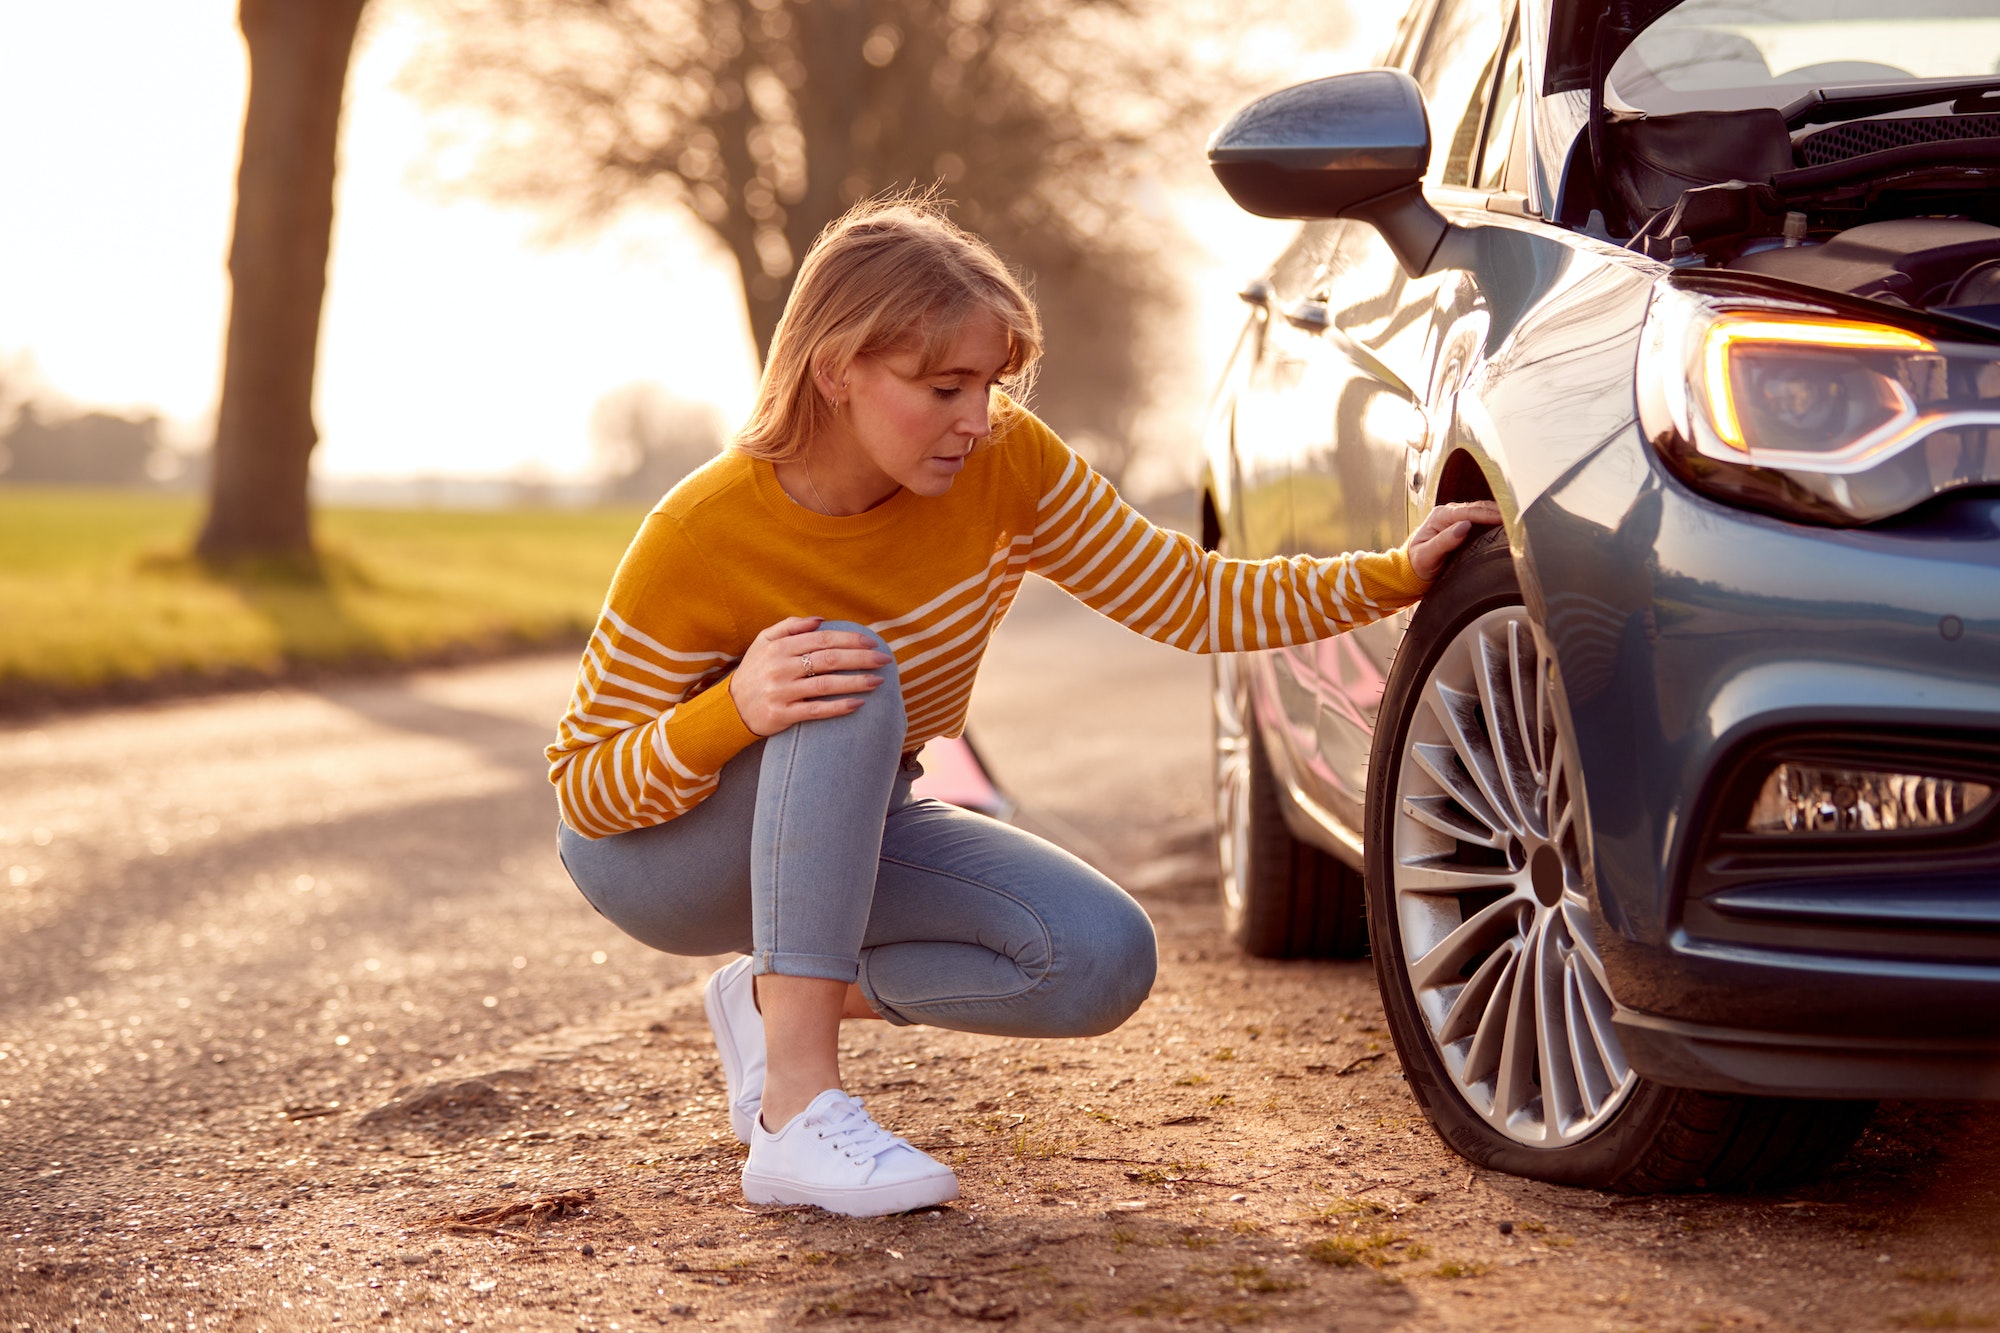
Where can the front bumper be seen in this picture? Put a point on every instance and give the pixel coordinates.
(1685, 633)
(1784, 1064)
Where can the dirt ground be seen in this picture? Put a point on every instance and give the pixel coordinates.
(294, 981)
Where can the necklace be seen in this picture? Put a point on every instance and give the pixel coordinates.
(824, 508)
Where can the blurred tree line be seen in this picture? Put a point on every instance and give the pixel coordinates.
(1048, 123)
(42, 444)
(646, 439)
(87, 449)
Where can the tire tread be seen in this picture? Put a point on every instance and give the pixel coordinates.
(1729, 1143)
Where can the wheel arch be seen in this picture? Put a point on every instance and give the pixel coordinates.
(1462, 478)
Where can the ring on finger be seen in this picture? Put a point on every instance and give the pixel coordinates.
(806, 661)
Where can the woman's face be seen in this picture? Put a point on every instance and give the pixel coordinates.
(899, 428)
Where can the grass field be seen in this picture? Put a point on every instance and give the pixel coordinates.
(97, 595)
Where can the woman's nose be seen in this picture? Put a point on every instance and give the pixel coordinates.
(978, 420)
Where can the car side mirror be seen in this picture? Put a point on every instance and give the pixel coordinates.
(1351, 145)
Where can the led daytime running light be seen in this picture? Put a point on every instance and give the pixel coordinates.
(1726, 334)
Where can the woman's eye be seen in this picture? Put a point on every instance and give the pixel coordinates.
(945, 390)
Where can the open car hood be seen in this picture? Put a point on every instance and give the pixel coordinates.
(1574, 26)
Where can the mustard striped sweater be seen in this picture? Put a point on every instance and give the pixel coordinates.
(727, 554)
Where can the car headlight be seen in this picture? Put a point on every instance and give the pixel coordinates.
(1812, 415)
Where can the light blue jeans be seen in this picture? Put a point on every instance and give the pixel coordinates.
(812, 857)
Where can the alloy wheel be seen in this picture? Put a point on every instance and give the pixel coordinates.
(1232, 779)
(1497, 944)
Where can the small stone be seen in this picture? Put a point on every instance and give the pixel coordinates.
(1239, 1198)
(1506, 1228)
(508, 1185)
(589, 1251)
(680, 1308)
(411, 1259)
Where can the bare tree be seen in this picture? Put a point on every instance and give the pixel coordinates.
(1042, 119)
(646, 439)
(299, 52)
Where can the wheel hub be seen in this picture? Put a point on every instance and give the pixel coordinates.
(1545, 872)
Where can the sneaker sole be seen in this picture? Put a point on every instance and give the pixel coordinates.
(741, 1121)
(856, 1200)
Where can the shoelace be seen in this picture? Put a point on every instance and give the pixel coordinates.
(855, 1133)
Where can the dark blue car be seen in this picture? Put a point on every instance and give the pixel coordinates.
(1675, 801)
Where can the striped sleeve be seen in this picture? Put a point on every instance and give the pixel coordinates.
(1163, 585)
(651, 722)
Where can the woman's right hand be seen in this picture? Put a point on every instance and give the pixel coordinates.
(772, 687)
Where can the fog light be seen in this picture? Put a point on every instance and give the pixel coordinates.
(1804, 798)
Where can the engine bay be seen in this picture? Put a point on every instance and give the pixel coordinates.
(1947, 265)
(1891, 202)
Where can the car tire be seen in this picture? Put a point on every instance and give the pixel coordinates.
(1281, 898)
(1480, 907)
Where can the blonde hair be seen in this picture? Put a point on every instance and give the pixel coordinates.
(891, 275)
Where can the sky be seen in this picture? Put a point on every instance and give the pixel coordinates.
(456, 339)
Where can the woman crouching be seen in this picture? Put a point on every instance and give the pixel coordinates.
(734, 775)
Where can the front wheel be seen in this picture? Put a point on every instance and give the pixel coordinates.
(1485, 948)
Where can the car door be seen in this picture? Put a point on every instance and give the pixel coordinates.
(1367, 335)
(1276, 406)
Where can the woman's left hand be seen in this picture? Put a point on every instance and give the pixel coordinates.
(1443, 531)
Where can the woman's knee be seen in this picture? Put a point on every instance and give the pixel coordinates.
(882, 710)
(675, 893)
(1112, 971)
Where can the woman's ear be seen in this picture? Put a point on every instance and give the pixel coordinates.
(831, 381)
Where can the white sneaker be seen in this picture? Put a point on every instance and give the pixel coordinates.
(833, 1154)
(731, 1001)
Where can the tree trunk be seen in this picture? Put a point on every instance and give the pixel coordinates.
(264, 436)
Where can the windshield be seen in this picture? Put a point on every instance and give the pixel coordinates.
(1714, 54)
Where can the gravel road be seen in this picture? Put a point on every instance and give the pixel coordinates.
(293, 980)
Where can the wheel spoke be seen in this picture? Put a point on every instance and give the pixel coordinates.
(1433, 876)
(1525, 662)
(1449, 817)
(1585, 1063)
(1595, 1003)
(1475, 998)
(1562, 824)
(1562, 1105)
(1483, 930)
(1576, 920)
(1457, 713)
(1514, 1085)
(1560, 813)
(1489, 1042)
(1514, 772)
(1441, 763)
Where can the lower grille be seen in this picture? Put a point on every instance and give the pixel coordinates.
(1840, 886)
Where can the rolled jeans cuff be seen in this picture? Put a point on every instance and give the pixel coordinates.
(825, 967)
